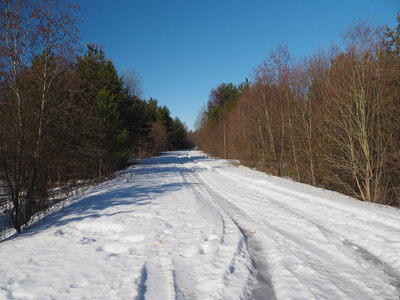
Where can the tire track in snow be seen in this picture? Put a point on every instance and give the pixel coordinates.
(339, 240)
(263, 288)
(259, 285)
(263, 187)
(300, 249)
(232, 256)
(346, 238)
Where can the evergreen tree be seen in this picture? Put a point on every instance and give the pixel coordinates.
(107, 132)
(177, 137)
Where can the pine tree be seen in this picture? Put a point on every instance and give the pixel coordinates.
(106, 132)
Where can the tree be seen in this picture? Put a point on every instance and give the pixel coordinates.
(138, 120)
(264, 94)
(132, 83)
(37, 41)
(177, 137)
(159, 139)
(310, 74)
(214, 133)
(358, 116)
(330, 119)
(390, 79)
(109, 108)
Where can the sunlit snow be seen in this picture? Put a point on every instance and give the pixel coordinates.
(185, 226)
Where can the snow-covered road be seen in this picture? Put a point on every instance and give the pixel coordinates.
(184, 226)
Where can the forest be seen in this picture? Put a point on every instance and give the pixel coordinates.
(330, 119)
(66, 115)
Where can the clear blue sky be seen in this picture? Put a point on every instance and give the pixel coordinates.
(183, 48)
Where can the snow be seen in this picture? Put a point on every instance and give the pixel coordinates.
(185, 226)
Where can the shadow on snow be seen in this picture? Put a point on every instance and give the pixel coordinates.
(120, 192)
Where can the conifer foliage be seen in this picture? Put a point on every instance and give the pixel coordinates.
(66, 116)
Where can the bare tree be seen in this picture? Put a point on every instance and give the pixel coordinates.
(133, 83)
(38, 40)
(309, 76)
(330, 120)
(356, 116)
(263, 98)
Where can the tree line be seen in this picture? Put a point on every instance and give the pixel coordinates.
(67, 115)
(330, 119)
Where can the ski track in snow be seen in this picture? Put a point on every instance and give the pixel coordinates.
(184, 226)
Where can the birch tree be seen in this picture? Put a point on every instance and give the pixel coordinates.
(37, 41)
(356, 116)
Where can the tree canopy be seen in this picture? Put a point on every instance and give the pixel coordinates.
(330, 119)
(66, 116)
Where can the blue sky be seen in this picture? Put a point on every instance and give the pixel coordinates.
(184, 48)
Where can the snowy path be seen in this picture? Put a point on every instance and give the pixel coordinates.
(182, 226)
